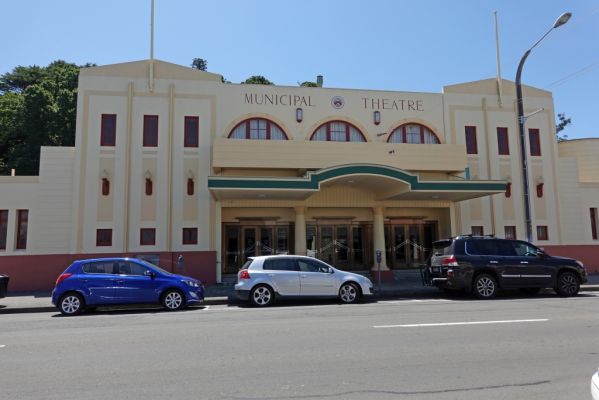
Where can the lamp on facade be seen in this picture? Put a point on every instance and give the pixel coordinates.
(105, 183)
(149, 184)
(522, 119)
(508, 187)
(540, 183)
(377, 117)
(190, 183)
(299, 114)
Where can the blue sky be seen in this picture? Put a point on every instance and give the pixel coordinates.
(400, 45)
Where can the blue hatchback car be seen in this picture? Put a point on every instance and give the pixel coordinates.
(117, 281)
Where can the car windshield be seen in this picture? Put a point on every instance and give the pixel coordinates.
(149, 264)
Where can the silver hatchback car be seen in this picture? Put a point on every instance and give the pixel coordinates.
(260, 279)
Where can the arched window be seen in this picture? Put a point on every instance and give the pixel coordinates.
(338, 131)
(413, 133)
(257, 128)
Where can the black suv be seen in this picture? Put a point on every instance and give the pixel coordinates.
(483, 264)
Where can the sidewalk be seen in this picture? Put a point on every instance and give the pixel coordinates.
(407, 284)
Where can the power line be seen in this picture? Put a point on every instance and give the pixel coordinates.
(573, 75)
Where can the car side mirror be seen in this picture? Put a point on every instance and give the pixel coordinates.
(151, 274)
(541, 253)
(331, 271)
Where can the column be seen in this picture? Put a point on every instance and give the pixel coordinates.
(300, 230)
(378, 232)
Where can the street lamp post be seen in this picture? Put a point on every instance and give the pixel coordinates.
(522, 119)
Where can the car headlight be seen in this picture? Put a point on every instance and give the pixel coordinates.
(580, 264)
(191, 283)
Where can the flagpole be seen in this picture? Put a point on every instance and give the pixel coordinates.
(151, 46)
(499, 86)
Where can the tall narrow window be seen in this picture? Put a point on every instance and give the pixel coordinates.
(503, 144)
(471, 145)
(190, 235)
(477, 231)
(593, 224)
(192, 132)
(108, 130)
(3, 228)
(22, 222)
(150, 131)
(147, 236)
(534, 141)
(542, 233)
(103, 237)
(510, 232)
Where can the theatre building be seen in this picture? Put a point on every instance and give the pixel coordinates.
(170, 161)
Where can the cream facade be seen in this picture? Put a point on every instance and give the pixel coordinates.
(390, 171)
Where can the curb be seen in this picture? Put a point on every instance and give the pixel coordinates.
(232, 300)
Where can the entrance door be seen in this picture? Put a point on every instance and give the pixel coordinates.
(344, 246)
(409, 243)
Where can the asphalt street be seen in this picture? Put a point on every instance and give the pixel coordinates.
(539, 347)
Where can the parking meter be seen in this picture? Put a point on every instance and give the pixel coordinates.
(379, 258)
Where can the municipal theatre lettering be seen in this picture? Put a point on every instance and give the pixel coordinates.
(274, 99)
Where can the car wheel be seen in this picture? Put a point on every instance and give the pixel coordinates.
(485, 286)
(71, 304)
(349, 293)
(262, 296)
(173, 300)
(567, 284)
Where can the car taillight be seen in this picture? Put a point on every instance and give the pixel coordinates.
(244, 274)
(449, 261)
(62, 278)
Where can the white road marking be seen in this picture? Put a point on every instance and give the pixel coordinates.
(2, 345)
(512, 321)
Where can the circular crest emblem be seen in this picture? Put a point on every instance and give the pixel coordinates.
(337, 102)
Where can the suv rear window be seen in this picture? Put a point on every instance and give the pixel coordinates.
(280, 264)
(442, 248)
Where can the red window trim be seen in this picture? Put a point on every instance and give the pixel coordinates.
(542, 232)
(107, 138)
(471, 143)
(103, 243)
(247, 128)
(594, 223)
(150, 138)
(534, 144)
(191, 138)
(22, 222)
(347, 130)
(503, 141)
(3, 228)
(194, 237)
(404, 133)
(151, 242)
(511, 228)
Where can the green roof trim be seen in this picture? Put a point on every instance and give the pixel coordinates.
(315, 178)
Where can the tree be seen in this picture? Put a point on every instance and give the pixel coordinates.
(561, 125)
(257, 80)
(199, 63)
(38, 107)
(308, 84)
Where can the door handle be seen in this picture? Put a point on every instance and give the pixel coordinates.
(493, 262)
(523, 262)
(120, 281)
(84, 280)
(304, 276)
(271, 275)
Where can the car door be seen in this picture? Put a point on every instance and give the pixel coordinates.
(534, 270)
(283, 274)
(98, 281)
(316, 278)
(134, 284)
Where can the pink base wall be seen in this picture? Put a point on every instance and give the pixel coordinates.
(588, 254)
(39, 272)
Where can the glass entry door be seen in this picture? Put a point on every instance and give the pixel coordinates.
(409, 243)
(345, 246)
(242, 241)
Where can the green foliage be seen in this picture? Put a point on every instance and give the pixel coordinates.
(199, 63)
(308, 84)
(561, 125)
(38, 107)
(257, 80)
